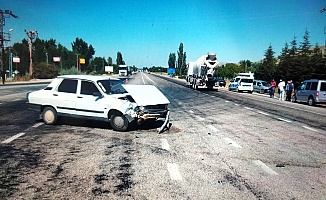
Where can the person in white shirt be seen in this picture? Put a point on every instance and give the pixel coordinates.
(281, 86)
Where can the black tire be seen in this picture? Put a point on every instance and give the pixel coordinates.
(49, 115)
(119, 122)
(311, 101)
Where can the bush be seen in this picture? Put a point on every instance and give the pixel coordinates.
(72, 70)
(45, 71)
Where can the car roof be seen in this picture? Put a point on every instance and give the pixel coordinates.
(314, 80)
(87, 77)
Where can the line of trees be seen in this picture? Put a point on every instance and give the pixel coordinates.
(45, 50)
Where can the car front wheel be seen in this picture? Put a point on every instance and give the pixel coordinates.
(49, 115)
(119, 122)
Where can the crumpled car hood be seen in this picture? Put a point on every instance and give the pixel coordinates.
(145, 95)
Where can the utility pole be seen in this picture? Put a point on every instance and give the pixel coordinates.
(77, 64)
(3, 15)
(31, 35)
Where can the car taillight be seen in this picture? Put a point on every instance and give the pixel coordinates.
(317, 93)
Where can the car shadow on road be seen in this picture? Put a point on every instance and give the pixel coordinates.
(133, 126)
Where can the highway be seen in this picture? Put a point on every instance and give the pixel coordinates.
(221, 145)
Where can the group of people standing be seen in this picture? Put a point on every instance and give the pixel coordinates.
(283, 89)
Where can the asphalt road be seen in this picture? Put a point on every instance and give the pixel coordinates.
(221, 145)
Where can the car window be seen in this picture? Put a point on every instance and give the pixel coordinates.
(88, 88)
(303, 86)
(254, 82)
(323, 86)
(237, 79)
(68, 85)
(266, 84)
(111, 86)
(313, 86)
(308, 85)
(247, 80)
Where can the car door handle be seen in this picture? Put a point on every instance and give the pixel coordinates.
(55, 95)
(79, 97)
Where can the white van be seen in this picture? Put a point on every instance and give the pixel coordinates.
(242, 82)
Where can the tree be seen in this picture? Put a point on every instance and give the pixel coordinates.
(181, 61)
(79, 46)
(120, 59)
(267, 69)
(110, 62)
(172, 60)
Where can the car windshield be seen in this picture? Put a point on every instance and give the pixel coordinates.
(247, 80)
(111, 86)
(265, 84)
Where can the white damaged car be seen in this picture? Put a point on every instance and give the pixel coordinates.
(99, 98)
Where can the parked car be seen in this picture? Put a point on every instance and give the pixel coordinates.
(311, 91)
(261, 86)
(98, 98)
(221, 82)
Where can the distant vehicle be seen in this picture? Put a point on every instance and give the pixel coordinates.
(242, 82)
(312, 92)
(261, 86)
(123, 70)
(98, 98)
(200, 74)
(221, 82)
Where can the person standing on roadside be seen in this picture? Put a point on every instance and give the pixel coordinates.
(289, 88)
(3, 76)
(272, 89)
(281, 87)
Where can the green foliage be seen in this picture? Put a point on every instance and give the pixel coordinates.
(228, 71)
(69, 71)
(45, 71)
(172, 60)
(120, 59)
(181, 68)
(266, 71)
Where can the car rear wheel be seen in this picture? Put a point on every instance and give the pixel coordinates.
(311, 101)
(49, 115)
(119, 122)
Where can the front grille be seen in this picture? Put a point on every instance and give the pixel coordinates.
(156, 107)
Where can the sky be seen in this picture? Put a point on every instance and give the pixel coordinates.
(146, 32)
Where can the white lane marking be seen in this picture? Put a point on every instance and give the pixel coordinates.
(191, 111)
(227, 101)
(248, 108)
(200, 118)
(309, 128)
(265, 167)
(179, 103)
(233, 143)
(12, 138)
(236, 104)
(285, 120)
(174, 171)
(165, 145)
(263, 113)
(37, 125)
(213, 128)
(142, 77)
(149, 78)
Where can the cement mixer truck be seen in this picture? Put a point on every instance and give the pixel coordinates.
(200, 74)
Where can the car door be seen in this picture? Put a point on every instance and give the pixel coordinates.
(89, 100)
(301, 94)
(322, 92)
(64, 96)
